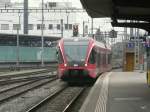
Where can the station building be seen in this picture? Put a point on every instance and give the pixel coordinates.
(52, 20)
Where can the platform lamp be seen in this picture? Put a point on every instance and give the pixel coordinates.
(18, 28)
(42, 36)
(67, 13)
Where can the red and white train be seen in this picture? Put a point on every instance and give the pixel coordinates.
(82, 58)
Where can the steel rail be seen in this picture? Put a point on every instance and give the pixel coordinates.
(73, 100)
(55, 94)
(29, 81)
(9, 89)
(25, 78)
(25, 74)
(29, 87)
(13, 78)
(38, 105)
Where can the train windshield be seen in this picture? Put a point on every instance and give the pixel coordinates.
(75, 51)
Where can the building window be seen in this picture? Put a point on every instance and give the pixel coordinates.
(39, 26)
(46, 6)
(70, 26)
(30, 27)
(50, 26)
(58, 26)
(4, 26)
(16, 26)
(52, 4)
(66, 26)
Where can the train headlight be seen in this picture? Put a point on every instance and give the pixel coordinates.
(65, 65)
(85, 64)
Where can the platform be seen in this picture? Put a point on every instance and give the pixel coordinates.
(119, 92)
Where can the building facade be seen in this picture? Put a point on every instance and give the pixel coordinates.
(10, 22)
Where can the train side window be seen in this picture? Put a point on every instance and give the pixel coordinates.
(104, 59)
(99, 59)
(92, 58)
(109, 58)
(59, 56)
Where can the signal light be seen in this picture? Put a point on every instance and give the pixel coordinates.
(75, 30)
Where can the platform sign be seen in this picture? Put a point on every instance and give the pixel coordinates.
(130, 45)
(146, 44)
(140, 39)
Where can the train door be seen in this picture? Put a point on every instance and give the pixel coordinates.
(129, 61)
(98, 61)
(148, 66)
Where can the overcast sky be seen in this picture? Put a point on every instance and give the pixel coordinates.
(75, 3)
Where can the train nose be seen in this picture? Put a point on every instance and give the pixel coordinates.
(85, 73)
(76, 73)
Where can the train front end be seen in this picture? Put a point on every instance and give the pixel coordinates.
(73, 58)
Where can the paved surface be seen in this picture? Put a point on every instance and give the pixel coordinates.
(119, 92)
(128, 92)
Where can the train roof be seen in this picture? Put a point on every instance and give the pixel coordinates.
(77, 39)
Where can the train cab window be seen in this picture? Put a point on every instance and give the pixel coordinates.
(59, 56)
(92, 58)
(76, 51)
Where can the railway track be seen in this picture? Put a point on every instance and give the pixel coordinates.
(24, 101)
(20, 92)
(10, 93)
(12, 79)
(22, 81)
(25, 74)
(9, 86)
(60, 101)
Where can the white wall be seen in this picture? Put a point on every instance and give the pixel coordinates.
(35, 18)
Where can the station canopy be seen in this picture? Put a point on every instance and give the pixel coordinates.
(27, 40)
(137, 10)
